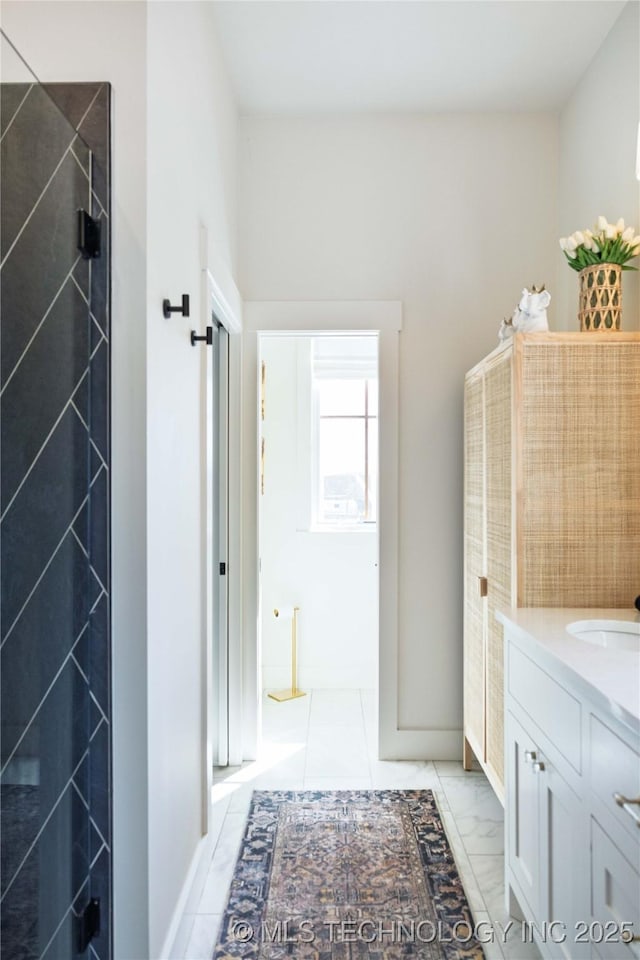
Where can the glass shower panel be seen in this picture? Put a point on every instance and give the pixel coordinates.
(54, 495)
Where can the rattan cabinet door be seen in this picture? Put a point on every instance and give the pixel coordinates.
(498, 414)
(579, 473)
(474, 568)
(488, 581)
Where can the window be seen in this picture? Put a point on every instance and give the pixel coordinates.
(345, 403)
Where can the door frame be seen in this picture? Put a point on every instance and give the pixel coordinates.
(385, 318)
(228, 315)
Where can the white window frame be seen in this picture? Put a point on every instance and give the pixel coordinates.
(317, 525)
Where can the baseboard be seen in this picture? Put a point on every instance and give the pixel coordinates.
(421, 745)
(172, 932)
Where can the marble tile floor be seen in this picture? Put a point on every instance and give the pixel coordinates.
(326, 740)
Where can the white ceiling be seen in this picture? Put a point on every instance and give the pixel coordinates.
(337, 56)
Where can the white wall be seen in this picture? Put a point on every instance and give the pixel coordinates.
(191, 182)
(452, 215)
(331, 576)
(174, 142)
(108, 41)
(598, 131)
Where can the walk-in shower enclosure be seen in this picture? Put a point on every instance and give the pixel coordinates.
(55, 787)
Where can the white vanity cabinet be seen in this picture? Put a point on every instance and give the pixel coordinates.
(572, 853)
(544, 818)
(614, 769)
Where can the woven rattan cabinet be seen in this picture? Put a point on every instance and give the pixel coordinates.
(551, 499)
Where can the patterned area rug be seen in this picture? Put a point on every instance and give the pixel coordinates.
(346, 875)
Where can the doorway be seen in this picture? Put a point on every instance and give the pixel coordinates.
(350, 316)
(317, 511)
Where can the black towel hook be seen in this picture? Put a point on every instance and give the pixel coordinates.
(208, 338)
(183, 308)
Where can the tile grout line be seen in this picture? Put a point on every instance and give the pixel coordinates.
(91, 567)
(86, 804)
(105, 845)
(86, 114)
(46, 567)
(103, 212)
(103, 461)
(90, 485)
(97, 856)
(36, 205)
(80, 670)
(93, 194)
(41, 451)
(80, 290)
(80, 417)
(70, 782)
(58, 928)
(97, 729)
(80, 544)
(77, 158)
(100, 330)
(43, 698)
(69, 149)
(79, 792)
(37, 329)
(20, 105)
(102, 340)
(103, 715)
(97, 601)
(86, 300)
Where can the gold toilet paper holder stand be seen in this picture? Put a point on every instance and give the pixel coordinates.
(294, 692)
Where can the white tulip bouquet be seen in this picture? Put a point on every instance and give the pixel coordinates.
(606, 243)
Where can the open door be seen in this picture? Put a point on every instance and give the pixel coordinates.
(219, 540)
(221, 655)
(216, 652)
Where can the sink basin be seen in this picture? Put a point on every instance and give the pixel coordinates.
(613, 634)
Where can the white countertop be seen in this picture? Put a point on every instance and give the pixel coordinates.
(612, 677)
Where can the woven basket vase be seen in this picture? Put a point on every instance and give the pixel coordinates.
(600, 297)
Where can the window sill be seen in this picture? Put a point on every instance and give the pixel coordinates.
(342, 528)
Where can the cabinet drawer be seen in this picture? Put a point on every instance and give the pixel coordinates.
(615, 768)
(615, 895)
(555, 711)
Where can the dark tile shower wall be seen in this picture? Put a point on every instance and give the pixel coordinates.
(55, 781)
